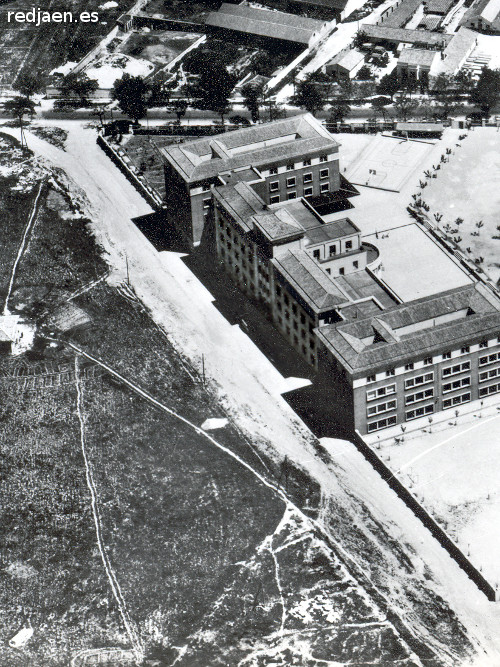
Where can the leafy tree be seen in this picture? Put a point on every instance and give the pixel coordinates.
(213, 90)
(237, 119)
(445, 95)
(158, 95)
(379, 104)
(404, 105)
(308, 96)
(389, 84)
(179, 107)
(29, 84)
(487, 90)
(78, 84)
(132, 94)
(339, 112)
(19, 107)
(253, 96)
(365, 74)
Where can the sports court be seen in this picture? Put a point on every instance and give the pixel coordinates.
(455, 474)
(388, 162)
(413, 265)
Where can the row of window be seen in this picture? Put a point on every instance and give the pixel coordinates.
(308, 192)
(305, 163)
(381, 407)
(291, 182)
(382, 423)
(419, 412)
(483, 361)
(456, 400)
(491, 389)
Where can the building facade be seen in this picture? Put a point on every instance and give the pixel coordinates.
(281, 161)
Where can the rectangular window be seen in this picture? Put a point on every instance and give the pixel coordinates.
(491, 389)
(456, 400)
(292, 195)
(275, 199)
(273, 171)
(341, 271)
(324, 173)
(332, 250)
(489, 375)
(207, 202)
(316, 254)
(380, 392)
(290, 182)
(465, 350)
(489, 359)
(447, 355)
(419, 396)
(323, 158)
(348, 245)
(371, 378)
(308, 178)
(456, 384)
(457, 368)
(325, 187)
(427, 361)
(483, 344)
(274, 186)
(419, 380)
(420, 412)
(390, 372)
(355, 264)
(308, 192)
(378, 409)
(307, 162)
(382, 423)
(409, 367)
(290, 166)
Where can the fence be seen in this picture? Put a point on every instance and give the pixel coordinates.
(429, 522)
(175, 130)
(127, 168)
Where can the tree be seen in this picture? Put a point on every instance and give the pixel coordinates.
(365, 74)
(179, 107)
(389, 84)
(158, 94)
(445, 95)
(213, 89)
(487, 90)
(338, 112)
(253, 96)
(132, 94)
(19, 107)
(308, 96)
(379, 104)
(29, 84)
(78, 84)
(404, 105)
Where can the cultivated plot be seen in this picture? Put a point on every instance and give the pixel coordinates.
(388, 162)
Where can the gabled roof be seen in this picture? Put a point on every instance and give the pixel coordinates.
(257, 146)
(383, 32)
(412, 330)
(348, 59)
(417, 57)
(264, 22)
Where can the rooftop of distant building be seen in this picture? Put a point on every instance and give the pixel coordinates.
(255, 146)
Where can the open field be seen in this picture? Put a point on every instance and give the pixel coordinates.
(455, 474)
(468, 187)
(388, 162)
(158, 46)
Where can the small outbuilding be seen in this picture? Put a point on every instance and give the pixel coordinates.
(346, 64)
(419, 130)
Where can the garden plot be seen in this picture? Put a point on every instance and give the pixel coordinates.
(159, 47)
(387, 162)
(468, 188)
(455, 474)
(107, 68)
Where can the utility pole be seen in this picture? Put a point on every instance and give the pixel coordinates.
(128, 274)
(203, 368)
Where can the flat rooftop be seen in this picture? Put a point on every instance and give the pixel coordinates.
(414, 266)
